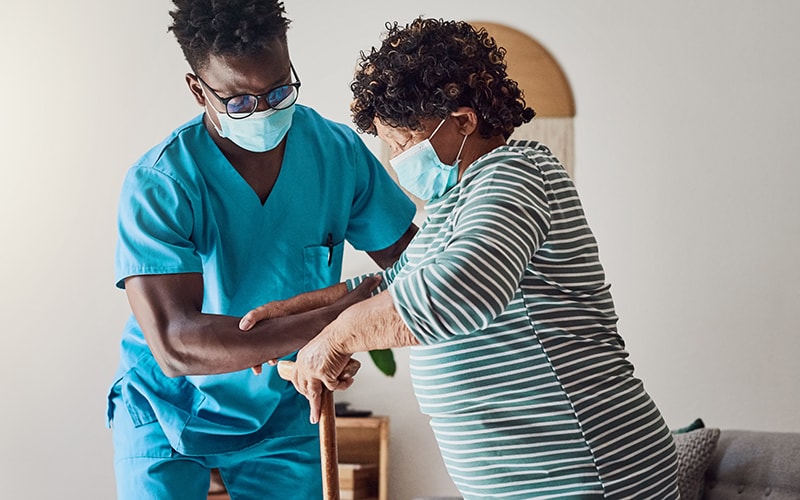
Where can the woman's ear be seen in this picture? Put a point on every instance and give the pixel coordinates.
(466, 120)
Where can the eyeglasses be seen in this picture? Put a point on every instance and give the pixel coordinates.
(244, 105)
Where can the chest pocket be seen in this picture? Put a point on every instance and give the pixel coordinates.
(322, 265)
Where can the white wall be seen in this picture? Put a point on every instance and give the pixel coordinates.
(686, 158)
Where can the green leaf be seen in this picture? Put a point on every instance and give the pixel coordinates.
(384, 360)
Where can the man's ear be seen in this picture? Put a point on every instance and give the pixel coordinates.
(466, 119)
(196, 89)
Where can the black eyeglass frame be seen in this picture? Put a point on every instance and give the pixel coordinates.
(265, 96)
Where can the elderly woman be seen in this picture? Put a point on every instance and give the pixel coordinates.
(515, 354)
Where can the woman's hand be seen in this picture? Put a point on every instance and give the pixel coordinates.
(318, 369)
(373, 323)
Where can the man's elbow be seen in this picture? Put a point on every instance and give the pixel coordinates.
(170, 369)
(169, 357)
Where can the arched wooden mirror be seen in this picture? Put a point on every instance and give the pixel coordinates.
(546, 90)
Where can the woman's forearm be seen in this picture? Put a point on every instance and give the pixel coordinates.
(371, 324)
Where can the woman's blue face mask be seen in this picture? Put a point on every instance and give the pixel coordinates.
(421, 172)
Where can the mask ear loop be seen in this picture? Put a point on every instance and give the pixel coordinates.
(437, 128)
(458, 156)
(219, 130)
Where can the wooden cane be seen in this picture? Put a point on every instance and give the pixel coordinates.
(328, 451)
(327, 430)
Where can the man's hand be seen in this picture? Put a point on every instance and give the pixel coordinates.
(336, 294)
(274, 309)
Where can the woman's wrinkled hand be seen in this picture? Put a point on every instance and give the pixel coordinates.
(318, 368)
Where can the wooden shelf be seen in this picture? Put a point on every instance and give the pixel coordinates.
(364, 441)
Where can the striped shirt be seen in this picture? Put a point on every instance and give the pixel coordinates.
(520, 367)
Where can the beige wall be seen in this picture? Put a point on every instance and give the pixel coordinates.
(686, 157)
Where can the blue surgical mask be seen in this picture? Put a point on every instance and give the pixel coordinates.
(421, 172)
(262, 131)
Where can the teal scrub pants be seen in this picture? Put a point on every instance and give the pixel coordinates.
(147, 468)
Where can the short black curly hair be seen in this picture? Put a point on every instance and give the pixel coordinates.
(430, 68)
(226, 27)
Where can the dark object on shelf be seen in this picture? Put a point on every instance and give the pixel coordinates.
(343, 410)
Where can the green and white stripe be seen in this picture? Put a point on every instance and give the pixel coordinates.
(521, 368)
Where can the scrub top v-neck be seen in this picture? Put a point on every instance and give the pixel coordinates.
(185, 209)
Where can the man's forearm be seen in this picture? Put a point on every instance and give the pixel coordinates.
(294, 305)
(214, 344)
(313, 300)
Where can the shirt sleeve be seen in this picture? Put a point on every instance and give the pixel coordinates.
(155, 225)
(387, 276)
(501, 219)
(381, 212)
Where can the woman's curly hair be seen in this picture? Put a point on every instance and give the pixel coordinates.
(226, 27)
(430, 68)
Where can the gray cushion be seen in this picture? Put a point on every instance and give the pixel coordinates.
(755, 465)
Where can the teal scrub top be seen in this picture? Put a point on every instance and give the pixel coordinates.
(185, 209)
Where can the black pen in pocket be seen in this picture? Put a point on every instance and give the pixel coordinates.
(329, 244)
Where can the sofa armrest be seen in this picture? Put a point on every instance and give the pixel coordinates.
(754, 464)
